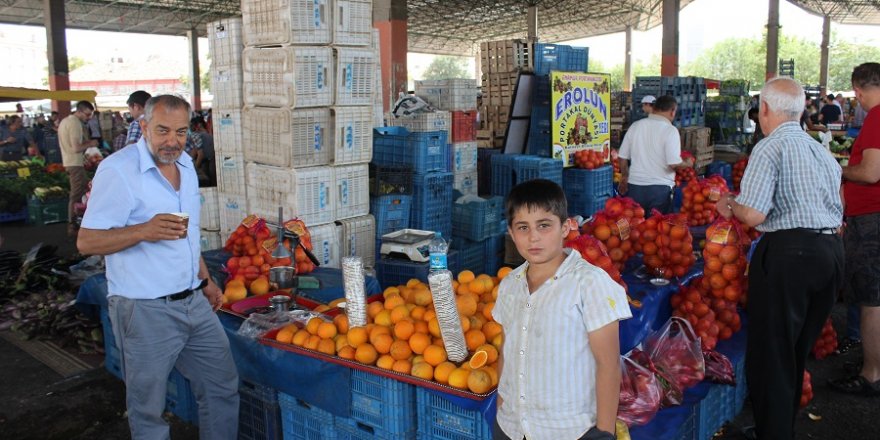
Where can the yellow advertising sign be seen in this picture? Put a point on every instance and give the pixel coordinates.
(580, 114)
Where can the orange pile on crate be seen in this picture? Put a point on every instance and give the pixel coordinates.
(403, 334)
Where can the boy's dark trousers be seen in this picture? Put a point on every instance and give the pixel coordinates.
(498, 434)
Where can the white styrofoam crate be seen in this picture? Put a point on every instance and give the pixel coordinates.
(226, 86)
(269, 22)
(352, 22)
(233, 209)
(209, 217)
(210, 240)
(357, 237)
(325, 244)
(352, 135)
(352, 190)
(355, 76)
(464, 157)
(230, 174)
(227, 131)
(466, 183)
(287, 138)
(225, 42)
(378, 115)
(288, 76)
(307, 193)
(448, 94)
(440, 120)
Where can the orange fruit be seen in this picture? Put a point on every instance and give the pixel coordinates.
(498, 340)
(377, 330)
(479, 381)
(382, 343)
(385, 362)
(403, 330)
(383, 318)
(477, 322)
(728, 254)
(399, 313)
(341, 322)
(459, 378)
(493, 373)
(487, 310)
(478, 359)
(341, 341)
(466, 304)
(300, 337)
(465, 323)
(313, 324)
(259, 286)
(312, 342)
(366, 354)
(285, 335)
(391, 291)
(422, 370)
(357, 336)
(418, 358)
(434, 355)
(327, 330)
(413, 282)
(402, 366)
(346, 352)
(429, 314)
(374, 308)
(503, 272)
(442, 371)
(491, 352)
(465, 276)
(327, 346)
(418, 342)
(393, 301)
(400, 350)
(476, 287)
(434, 327)
(463, 289)
(474, 338)
(492, 329)
(421, 327)
(235, 291)
(423, 297)
(417, 312)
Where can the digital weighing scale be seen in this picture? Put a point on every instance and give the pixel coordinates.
(411, 243)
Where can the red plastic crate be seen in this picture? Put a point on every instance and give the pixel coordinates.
(464, 126)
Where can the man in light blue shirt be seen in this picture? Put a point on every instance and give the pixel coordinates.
(161, 297)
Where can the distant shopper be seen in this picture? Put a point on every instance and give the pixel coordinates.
(861, 189)
(94, 126)
(15, 140)
(830, 113)
(758, 134)
(72, 140)
(648, 104)
(137, 101)
(653, 145)
(205, 162)
(791, 193)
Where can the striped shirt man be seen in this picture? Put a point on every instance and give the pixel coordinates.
(794, 181)
(548, 376)
(134, 131)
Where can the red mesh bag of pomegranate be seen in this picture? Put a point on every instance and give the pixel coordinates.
(666, 245)
(594, 252)
(699, 198)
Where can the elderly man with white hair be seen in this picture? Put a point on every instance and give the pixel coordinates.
(791, 193)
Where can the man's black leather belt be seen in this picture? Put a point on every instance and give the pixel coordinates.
(184, 294)
(825, 231)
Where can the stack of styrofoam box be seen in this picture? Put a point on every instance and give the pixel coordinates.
(225, 46)
(209, 219)
(464, 167)
(449, 94)
(378, 104)
(310, 78)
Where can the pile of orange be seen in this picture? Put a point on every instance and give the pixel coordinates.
(251, 246)
(403, 335)
(739, 169)
(699, 197)
(616, 227)
(666, 245)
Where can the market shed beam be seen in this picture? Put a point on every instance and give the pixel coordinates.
(390, 18)
(772, 40)
(56, 50)
(669, 56)
(823, 58)
(627, 63)
(194, 73)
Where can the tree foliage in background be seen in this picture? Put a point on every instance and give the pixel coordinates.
(445, 67)
(744, 58)
(645, 68)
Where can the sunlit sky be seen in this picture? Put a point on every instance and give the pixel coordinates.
(703, 23)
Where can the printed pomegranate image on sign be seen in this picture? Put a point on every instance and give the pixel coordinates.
(580, 116)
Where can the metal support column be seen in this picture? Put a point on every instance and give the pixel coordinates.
(56, 50)
(823, 60)
(533, 21)
(194, 74)
(389, 17)
(669, 59)
(627, 63)
(773, 39)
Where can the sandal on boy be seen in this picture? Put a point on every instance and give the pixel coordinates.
(857, 385)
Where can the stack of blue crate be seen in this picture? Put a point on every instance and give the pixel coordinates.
(688, 91)
(587, 190)
(475, 222)
(549, 57)
(509, 170)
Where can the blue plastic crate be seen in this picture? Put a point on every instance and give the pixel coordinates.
(422, 151)
(302, 421)
(502, 174)
(440, 419)
(394, 272)
(723, 169)
(494, 253)
(527, 168)
(539, 143)
(742, 389)
(576, 59)
(453, 261)
(541, 92)
(112, 356)
(713, 411)
(687, 430)
(590, 183)
(180, 399)
(391, 212)
(560, 57)
(477, 220)
(584, 205)
(484, 169)
(471, 255)
(259, 416)
(382, 403)
(350, 429)
(432, 201)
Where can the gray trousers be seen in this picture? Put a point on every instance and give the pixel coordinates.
(157, 335)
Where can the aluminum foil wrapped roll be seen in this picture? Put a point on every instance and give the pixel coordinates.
(355, 297)
(447, 315)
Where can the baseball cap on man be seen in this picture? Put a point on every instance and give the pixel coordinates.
(648, 99)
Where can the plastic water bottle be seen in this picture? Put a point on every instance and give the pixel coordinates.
(437, 250)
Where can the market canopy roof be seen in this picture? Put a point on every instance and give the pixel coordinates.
(14, 94)
(435, 26)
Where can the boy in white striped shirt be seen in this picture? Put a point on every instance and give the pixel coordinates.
(559, 364)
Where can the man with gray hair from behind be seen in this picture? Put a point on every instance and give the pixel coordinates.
(791, 193)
